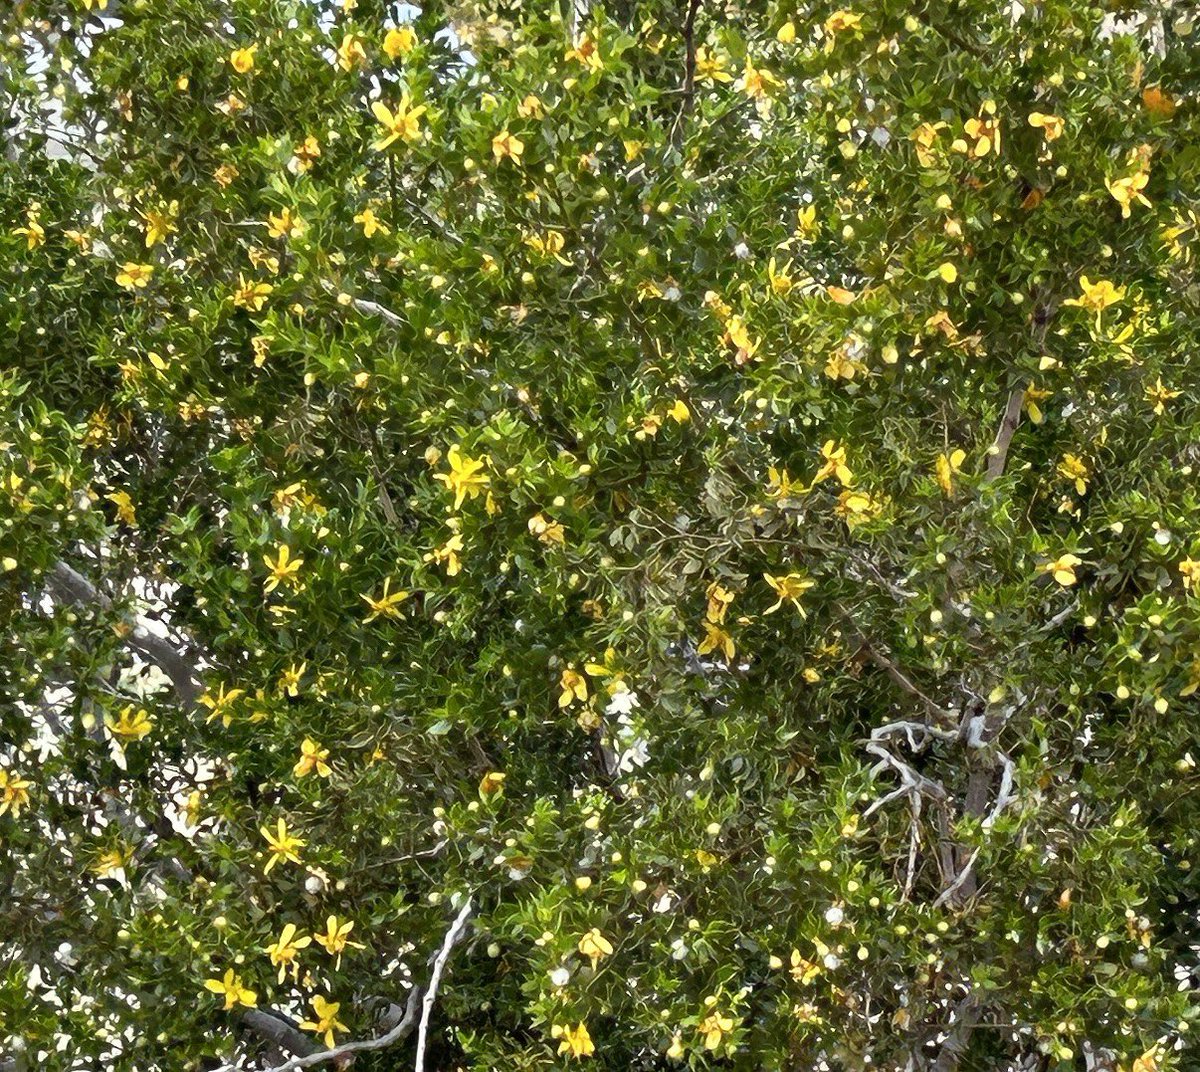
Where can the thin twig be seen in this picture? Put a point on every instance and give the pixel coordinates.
(893, 671)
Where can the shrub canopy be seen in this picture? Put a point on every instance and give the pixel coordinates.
(666, 530)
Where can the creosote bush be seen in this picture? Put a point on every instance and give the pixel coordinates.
(628, 536)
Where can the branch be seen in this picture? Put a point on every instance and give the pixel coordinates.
(689, 63)
(943, 714)
(959, 1038)
(452, 936)
(272, 1026)
(913, 782)
(72, 587)
(1008, 428)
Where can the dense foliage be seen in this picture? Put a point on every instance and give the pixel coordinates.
(705, 495)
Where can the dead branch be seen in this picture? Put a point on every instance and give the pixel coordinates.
(435, 979)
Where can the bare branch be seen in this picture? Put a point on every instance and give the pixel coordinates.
(274, 1027)
(998, 451)
(70, 586)
(911, 779)
(452, 936)
(942, 714)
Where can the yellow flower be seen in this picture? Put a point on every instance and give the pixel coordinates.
(388, 603)
(587, 52)
(399, 42)
(305, 153)
(242, 59)
(789, 589)
(289, 680)
(841, 366)
(531, 107)
(1096, 296)
(1051, 126)
(261, 345)
(312, 758)
(221, 705)
(234, 992)
(679, 412)
(779, 484)
(110, 862)
(757, 82)
(546, 530)
(492, 782)
(135, 276)
(837, 23)
(285, 224)
(371, 224)
(403, 124)
(924, 137)
(573, 686)
(946, 467)
(225, 174)
(1075, 470)
(160, 222)
(833, 465)
(33, 231)
(336, 938)
(594, 945)
(676, 1051)
(506, 144)
(1127, 190)
(550, 244)
(130, 724)
(714, 1027)
(738, 335)
(1189, 570)
(710, 67)
(350, 52)
(716, 639)
(1063, 569)
(1160, 395)
(448, 553)
(855, 507)
(983, 132)
(781, 281)
(14, 792)
(326, 1022)
(282, 845)
(1034, 395)
(125, 508)
(575, 1040)
(284, 568)
(252, 296)
(719, 598)
(466, 477)
(803, 971)
(286, 950)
